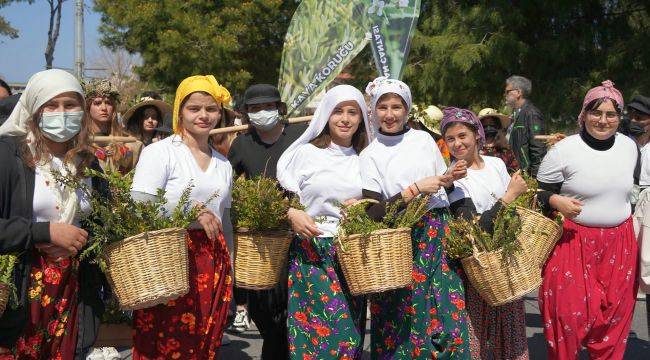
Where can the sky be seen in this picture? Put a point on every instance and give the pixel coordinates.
(23, 56)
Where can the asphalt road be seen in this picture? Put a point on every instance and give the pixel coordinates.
(249, 344)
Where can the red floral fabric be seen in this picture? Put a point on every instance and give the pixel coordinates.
(191, 326)
(51, 330)
(589, 291)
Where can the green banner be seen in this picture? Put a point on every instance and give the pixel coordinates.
(323, 37)
(392, 28)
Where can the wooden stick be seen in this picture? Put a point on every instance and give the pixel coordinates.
(232, 129)
(545, 137)
(112, 139)
(225, 130)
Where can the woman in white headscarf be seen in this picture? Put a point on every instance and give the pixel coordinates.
(427, 319)
(322, 168)
(39, 217)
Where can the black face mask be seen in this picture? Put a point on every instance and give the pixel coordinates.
(636, 129)
(491, 131)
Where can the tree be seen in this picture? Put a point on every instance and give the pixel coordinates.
(464, 51)
(5, 27)
(53, 31)
(233, 39)
(118, 66)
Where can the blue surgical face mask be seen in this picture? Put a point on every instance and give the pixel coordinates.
(264, 120)
(61, 126)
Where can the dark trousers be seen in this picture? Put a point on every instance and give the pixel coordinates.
(268, 309)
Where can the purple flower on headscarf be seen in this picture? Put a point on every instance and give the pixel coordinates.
(454, 115)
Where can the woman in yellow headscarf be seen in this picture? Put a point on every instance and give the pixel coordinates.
(191, 326)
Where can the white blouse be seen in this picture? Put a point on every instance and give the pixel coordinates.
(44, 203)
(391, 163)
(327, 178)
(602, 180)
(484, 186)
(168, 164)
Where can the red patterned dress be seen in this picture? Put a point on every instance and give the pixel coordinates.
(191, 326)
(51, 332)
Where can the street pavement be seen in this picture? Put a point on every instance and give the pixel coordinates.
(249, 344)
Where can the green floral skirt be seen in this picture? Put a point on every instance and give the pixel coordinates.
(324, 320)
(428, 319)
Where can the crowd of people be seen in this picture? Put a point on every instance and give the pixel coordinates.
(355, 147)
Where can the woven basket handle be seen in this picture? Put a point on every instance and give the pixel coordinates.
(475, 251)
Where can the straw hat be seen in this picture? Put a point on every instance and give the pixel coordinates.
(162, 106)
(489, 112)
(429, 117)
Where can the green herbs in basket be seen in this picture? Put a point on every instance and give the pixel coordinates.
(116, 216)
(7, 265)
(507, 227)
(357, 221)
(259, 204)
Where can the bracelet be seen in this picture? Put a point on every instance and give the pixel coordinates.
(411, 191)
(417, 187)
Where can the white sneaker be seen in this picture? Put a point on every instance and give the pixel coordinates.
(105, 353)
(225, 340)
(242, 322)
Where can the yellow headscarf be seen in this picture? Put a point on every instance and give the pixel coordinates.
(205, 83)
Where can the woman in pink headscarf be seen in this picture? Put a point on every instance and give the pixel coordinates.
(590, 283)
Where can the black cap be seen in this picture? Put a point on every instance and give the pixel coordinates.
(261, 93)
(641, 104)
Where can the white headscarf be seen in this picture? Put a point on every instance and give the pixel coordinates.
(286, 168)
(42, 87)
(383, 85)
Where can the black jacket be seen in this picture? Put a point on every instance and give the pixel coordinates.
(19, 234)
(529, 152)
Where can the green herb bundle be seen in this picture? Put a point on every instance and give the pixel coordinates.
(7, 265)
(356, 220)
(259, 204)
(119, 216)
(507, 227)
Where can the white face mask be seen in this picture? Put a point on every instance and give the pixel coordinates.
(264, 120)
(61, 126)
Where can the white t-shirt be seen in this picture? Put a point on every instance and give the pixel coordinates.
(168, 164)
(327, 178)
(602, 180)
(44, 203)
(484, 186)
(391, 163)
(644, 177)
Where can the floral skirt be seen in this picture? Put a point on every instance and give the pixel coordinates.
(51, 330)
(324, 320)
(191, 326)
(495, 332)
(588, 292)
(428, 319)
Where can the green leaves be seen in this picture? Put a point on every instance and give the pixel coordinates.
(119, 216)
(7, 265)
(236, 40)
(355, 220)
(259, 204)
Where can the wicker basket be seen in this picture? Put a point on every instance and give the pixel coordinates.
(380, 262)
(261, 258)
(499, 283)
(149, 268)
(4, 298)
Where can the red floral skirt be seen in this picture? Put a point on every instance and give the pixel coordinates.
(51, 330)
(191, 326)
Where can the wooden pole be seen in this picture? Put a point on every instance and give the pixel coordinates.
(231, 129)
(225, 130)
